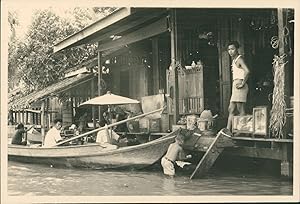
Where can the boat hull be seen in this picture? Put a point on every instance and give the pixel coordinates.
(93, 155)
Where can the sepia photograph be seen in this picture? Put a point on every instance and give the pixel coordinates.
(138, 102)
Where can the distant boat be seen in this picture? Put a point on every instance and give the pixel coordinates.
(93, 155)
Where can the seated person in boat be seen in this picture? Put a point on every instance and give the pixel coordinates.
(174, 152)
(70, 132)
(53, 135)
(108, 138)
(19, 135)
(114, 114)
(83, 122)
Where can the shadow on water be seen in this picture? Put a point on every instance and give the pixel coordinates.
(227, 177)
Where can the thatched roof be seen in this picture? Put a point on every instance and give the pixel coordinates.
(61, 86)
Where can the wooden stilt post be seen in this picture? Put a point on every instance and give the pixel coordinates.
(26, 117)
(93, 107)
(99, 78)
(19, 116)
(173, 26)
(43, 120)
(286, 162)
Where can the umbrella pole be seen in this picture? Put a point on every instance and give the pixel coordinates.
(110, 120)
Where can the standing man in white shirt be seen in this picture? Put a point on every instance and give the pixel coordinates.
(240, 74)
(53, 135)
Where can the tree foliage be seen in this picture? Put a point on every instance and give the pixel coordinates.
(33, 61)
(13, 22)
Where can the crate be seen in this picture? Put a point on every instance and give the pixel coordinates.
(144, 124)
(154, 125)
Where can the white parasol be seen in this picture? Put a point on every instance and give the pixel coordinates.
(109, 99)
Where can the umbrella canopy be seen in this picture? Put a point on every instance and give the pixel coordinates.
(110, 99)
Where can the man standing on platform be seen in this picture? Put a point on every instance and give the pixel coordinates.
(240, 74)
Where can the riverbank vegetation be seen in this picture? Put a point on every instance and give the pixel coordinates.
(32, 64)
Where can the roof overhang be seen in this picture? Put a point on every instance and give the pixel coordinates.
(119, 23)
(62, 86)
(78, 38)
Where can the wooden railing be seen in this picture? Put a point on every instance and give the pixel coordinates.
(191, 105)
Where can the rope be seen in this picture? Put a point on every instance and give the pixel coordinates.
(274, 42)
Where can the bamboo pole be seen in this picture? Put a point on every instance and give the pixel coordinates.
(110, 125)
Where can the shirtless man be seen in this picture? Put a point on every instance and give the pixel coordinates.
(174, 152)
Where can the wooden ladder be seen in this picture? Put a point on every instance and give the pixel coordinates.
(221, 141)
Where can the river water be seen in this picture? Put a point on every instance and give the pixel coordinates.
(39, 180)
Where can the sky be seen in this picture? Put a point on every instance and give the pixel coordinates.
(25, 10)
(25, 15)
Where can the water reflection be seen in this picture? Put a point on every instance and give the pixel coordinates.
(38, 180)
(169, 185)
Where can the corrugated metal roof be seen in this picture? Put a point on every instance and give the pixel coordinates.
(61, 86)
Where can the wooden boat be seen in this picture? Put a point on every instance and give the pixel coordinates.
(93, 155)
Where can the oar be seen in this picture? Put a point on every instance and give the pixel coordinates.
(110, 125)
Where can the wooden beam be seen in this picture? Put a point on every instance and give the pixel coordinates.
(91, 29)
(122, 28)
(148, 31)
(155, 65)
(264, 153)
(251, 139)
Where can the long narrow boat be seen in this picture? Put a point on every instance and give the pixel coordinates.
(93, 155)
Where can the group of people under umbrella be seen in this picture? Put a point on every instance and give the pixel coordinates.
(108, 137)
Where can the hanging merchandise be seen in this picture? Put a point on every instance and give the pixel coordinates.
(278, 115)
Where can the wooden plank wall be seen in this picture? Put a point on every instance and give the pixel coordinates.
(139, 75)
(224, 63)
(230, 28)
(191, 24)
(67, 115)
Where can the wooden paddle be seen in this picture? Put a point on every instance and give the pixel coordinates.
(110, 125)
